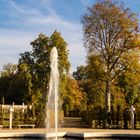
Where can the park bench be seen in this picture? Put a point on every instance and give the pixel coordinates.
(115, 126)
(26, 125)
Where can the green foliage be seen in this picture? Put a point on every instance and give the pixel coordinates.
(128, 81)
(16, 89)
(12, 86)
(4, 83)
(9, 69)
(29, 84)
(57, 41)
(81, 73)
(35, 68)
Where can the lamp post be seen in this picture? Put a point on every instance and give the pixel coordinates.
(132, 109)
(11, 117)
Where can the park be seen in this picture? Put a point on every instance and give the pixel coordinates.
(41, 98)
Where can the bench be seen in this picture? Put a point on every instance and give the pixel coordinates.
(26, 125)
(115, 126)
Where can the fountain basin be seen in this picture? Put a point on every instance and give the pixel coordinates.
(28, 134)
(71, 133)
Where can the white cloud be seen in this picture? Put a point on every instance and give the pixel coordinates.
(36, 17)
(12, 43)
(33, 21)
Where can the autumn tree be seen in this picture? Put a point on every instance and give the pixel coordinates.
(129, 79)
(75, 99)
(35, 67)
(110, 31)
(8, 69)
(89, 82)
(81, 76)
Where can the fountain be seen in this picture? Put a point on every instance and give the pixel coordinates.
(52, 102)
(52, 107)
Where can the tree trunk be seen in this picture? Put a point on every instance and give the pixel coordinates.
(107, 108)
(107, 96)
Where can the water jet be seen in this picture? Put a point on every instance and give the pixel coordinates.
(52, 102)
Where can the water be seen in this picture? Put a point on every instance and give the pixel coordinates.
(52, 103)
(63, 139)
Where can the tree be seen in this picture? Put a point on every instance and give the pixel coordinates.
(75, 99)
(4, 84)
(81, 73)
(7, 76)
(8, 69)
(110, 31)
(35, 67)
(16, 91)
(12, 85)
(86, 77)
(129, 79)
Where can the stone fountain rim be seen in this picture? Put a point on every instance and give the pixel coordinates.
(71, 135)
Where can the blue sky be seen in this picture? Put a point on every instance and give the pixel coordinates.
(22, 20)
